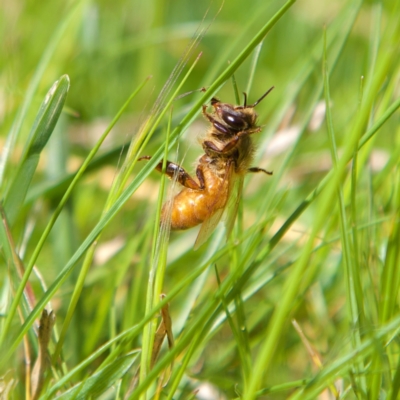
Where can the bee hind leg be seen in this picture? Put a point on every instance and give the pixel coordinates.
(173, 170)
(256, 169)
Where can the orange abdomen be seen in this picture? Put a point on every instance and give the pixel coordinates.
(192, 207)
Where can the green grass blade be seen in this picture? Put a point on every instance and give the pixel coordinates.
(46, 120)
(89, 256)
(353, 286)
(341, 365)
(100, 381)
(33, 86)
(42, 129)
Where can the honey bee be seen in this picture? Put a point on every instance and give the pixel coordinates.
(229, 152)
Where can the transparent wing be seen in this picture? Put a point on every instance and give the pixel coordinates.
(209, 225)
(207, 228)
(233, 203)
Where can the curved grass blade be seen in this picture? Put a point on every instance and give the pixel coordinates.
(42, 65)
(43, 127)
(99, 382)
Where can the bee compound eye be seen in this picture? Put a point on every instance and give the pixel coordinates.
(235, 121)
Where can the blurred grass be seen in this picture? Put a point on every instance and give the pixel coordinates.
(317, 242)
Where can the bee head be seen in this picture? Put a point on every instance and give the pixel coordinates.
(238, 118)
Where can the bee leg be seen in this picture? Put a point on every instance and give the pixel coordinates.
(217, 125)
(249, 131)
(200, 176)
(207, 144)
(173, 170)
(232, 142)
(256, 169)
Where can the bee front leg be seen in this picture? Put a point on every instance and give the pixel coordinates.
(232, 142)
(173, 170)
(217, 125)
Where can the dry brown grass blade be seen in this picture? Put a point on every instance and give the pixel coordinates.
(315, 358)
(38, 374)
(28, 295)
(19, 266)
(164, 329)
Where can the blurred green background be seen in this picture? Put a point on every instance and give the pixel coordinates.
(108, 48)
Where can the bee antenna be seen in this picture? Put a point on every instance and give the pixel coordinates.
(245, 100)
(203, 89)
(261, 98)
